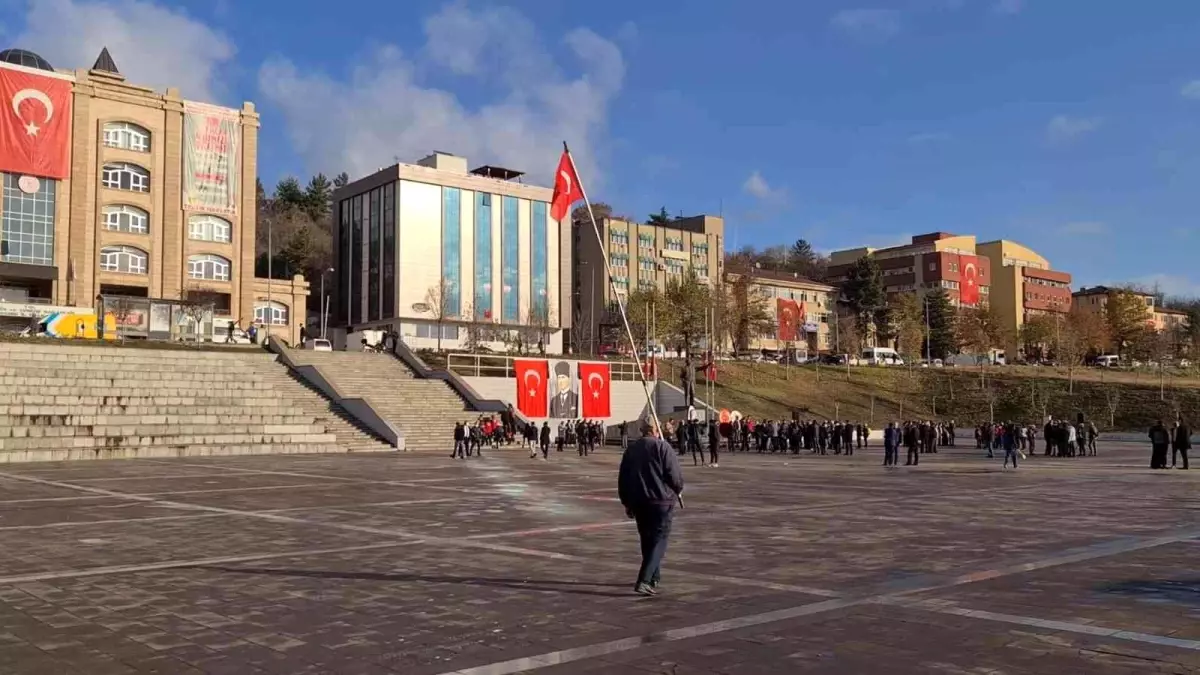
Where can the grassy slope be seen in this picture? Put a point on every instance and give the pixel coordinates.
(1016, 393)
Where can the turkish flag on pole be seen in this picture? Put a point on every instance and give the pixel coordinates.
(532, 377)
(594, 380)
(567, 190)
(35, 124)
(968, 287)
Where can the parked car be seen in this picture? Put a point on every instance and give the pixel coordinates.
(318, 345)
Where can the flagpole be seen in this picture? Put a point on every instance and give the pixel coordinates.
(612, 284)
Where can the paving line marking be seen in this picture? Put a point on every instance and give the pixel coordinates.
(1050, 624)
(52, 499)
(150, 519)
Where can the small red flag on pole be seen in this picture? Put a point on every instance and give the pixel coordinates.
(567, 189)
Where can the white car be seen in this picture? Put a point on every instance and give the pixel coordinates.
(318, 345)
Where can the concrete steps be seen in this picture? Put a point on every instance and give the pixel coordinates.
(425, 410)
(62, 402)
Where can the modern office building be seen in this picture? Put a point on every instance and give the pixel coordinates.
(111, 188)
(1015, 281)
(801, 311)
(642, 255)
(433, 243)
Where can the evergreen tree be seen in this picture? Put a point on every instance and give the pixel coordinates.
(289, 194)
(341, 180)
(318, 196)
(660, 218)
(864, 293)
(942, 342)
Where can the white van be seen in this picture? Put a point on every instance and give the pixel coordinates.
(881, 356)
(1107, 361)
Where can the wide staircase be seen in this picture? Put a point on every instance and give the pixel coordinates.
(63, 401)
(425, 410)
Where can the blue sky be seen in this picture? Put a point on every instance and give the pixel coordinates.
(1067, 125)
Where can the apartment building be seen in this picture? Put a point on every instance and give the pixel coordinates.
(801, 310)
(642, 255)
(418, 245)
(112, 188)
(1023, 284)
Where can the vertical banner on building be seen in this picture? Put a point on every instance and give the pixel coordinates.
(35, 124)
(788, 313)
(595, 382)
(532, 376)
(968, 285)
(211, 147)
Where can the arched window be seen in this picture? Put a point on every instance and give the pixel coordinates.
(125, 218)
(122, 176)
(126, 136)
(125, 259)
(210, 228)
(273, 313)
(211, 267)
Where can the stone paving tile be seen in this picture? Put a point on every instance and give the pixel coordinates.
(485, 586)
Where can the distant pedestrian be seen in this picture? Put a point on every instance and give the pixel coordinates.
(1181, 443)
(1160, 440)
(649, 483)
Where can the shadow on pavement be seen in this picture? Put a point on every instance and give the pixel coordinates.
(519, 584)
(1172, 591)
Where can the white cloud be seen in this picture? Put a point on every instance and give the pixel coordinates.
(1191, 90)
(1008, 6)
(152, 45)
(1064, 128)
(1084, 228)
(868, 25)
(385, 108)
(756, 186)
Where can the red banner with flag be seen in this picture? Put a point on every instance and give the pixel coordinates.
(35, 124)
(968, 285)
(532, 377)
(788, 313)
(594, 382)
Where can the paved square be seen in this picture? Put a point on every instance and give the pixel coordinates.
(423, 565)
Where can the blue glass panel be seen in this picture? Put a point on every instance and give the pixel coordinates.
(539, 299)
(510, 262)
(452, 249)
(483, 256)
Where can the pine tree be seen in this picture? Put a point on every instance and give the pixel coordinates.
(341, 180)
(318, 196)
(289, 194)
(660, 218)
(942, 342)
(864, 293)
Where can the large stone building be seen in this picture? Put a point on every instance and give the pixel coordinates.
(642, 255)
(1015, 281)
(428, 244)
(111, 188)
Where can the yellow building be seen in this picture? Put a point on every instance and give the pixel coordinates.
(800, 310)
(1023, 284)
(157, 199)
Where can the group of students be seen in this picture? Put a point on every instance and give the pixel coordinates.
(469, 438)
(918, 437)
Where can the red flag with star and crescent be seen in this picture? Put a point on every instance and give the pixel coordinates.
(532, 379)
(566, 187)
(968, 287)
(594, 382)
(35, 124)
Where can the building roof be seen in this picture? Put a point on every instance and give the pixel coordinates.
(1168, 310)
(771, 275)
(22, 57)
(1106, 290)
(105, 63)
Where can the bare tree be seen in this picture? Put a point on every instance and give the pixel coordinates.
(199, 305)
(442, 302)
(122, 309)
(1113, 397)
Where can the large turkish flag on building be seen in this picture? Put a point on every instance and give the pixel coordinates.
(35, 124)
(789, 319)
(594, 383)
(532, 377)
(968, 285)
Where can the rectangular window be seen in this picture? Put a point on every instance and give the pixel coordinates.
(27, 231)
(389, 250)
(539, 295)
(343, 262)
(510, 299)
(452, 250)
(374, 268)
(483, 256)
(356, 259)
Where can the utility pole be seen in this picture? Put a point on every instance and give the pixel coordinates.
(928, 334)
(270, 276)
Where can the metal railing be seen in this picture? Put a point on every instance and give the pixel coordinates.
(497, 365)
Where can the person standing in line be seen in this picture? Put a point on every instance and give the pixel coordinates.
(544, 440)
(714, 440)
(1092, 433)
(910, 440)
(624, 429)
(1160, 438)
(460, 440)
(649, 483)
(890, 444)
(1009, 441)
(1181, 443)
(693, 440)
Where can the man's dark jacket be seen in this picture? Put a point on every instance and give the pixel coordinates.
(649, 474)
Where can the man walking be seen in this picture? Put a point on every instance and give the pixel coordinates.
(891, 444)
(649, 482)
(544, 440)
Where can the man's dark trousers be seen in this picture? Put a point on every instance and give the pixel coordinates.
(654, 527)
(914, 455)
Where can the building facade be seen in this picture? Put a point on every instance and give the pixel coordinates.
(153, 197)
(642, 256)
(801, 311)
(431, 246)
(1013, 280)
